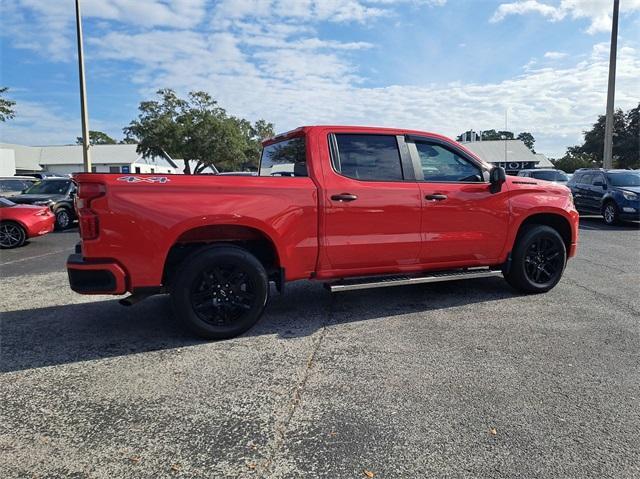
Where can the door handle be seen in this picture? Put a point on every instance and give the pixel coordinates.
(344, 197)
(436, 197)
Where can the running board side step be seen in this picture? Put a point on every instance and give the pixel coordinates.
(402, 280)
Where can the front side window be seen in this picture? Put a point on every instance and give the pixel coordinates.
(368, 157)
(586, 179)
(285, 158)
(51, 187)
(441, 164)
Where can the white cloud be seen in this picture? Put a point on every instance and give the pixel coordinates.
(258, 65)
(43, 124)
(313, 10)
(597, 12)
(523, 7)
(555, 55)
(293, 87)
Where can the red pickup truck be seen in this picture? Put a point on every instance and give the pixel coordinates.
(354, 207)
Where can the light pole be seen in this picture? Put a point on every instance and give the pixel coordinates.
(611, 90)
(86, 154)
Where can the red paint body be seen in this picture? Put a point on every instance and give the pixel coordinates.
(36, 220)
(391, 228)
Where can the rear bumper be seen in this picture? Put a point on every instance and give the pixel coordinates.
(95, 277)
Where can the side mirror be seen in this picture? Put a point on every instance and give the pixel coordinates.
(497, 176)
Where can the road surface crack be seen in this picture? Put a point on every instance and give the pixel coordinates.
(294, 402)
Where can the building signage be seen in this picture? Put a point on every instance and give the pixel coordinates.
(516, 165)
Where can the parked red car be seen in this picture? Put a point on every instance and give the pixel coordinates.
(353, 207)
(21, 222)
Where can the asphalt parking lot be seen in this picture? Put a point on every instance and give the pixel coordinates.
(463, 379)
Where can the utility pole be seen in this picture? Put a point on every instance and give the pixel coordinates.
(505, 135)
(86, 154)
(611, 91)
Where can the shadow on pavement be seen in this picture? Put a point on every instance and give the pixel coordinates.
(596, 223)
(80, 332)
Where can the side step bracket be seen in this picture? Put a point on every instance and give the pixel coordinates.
(369, 282)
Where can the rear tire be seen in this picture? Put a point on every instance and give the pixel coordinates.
(537, 260)
(610, 213)
(12, 235)
(220, 292)
(63, 219)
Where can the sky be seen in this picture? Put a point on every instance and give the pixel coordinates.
(444, 66)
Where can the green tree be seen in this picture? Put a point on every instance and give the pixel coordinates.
(127, 140)
(492, 135)
(626, 139)
(630, 142)
(528, 139)
(6, 106)
(574, 158)
(97, 138)
(196, 129)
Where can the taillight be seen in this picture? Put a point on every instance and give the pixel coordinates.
(89, 225)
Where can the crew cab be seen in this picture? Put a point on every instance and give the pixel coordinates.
(353, 207)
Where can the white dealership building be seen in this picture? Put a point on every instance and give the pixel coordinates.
(64, 160)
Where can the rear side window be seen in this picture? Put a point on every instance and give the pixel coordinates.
(12, 185)
(285, 158)
(367, 157)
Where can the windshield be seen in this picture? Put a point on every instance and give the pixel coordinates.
(550, 175)
(624, 179)
(50, 187)
(5, 202)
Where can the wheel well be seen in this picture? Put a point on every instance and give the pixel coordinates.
(607, 201)
(557, 222)
(250, 239)
(15, 222)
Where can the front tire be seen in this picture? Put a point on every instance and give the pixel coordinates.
(611, 214)
(220, 292)
(537, 261)
(12, 235)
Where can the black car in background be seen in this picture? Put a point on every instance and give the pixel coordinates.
(547, 174)
(614, 194)
(57, 193)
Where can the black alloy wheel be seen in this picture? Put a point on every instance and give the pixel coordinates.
(220, 291)
(222, 294)
(544, 260)
(12, 235)
(538, 259)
